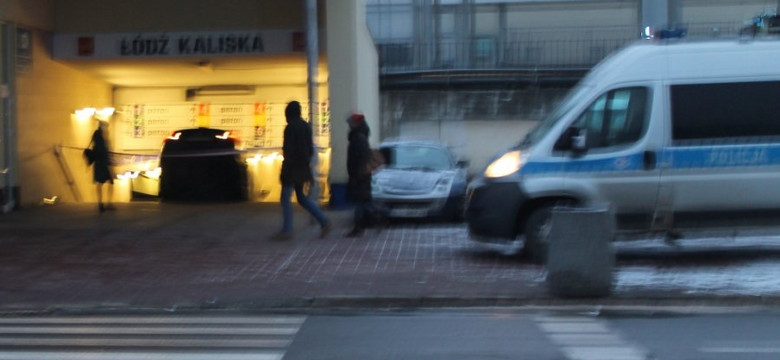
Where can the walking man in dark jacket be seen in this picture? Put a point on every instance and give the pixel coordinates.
(296, 171)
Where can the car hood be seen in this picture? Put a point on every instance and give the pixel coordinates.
(409, 182)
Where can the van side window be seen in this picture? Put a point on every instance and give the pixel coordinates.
(616, 118)
(725, 112)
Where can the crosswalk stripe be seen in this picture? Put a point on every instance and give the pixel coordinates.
(126, 355)
(136, 342)
(231, 320)
(583, 338)
(96, 330)
(147, 337)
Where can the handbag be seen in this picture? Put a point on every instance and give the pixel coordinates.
(375, 160)
(89, 156)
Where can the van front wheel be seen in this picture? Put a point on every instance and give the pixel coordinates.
(537, 234)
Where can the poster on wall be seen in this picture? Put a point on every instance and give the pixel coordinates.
(144, 127)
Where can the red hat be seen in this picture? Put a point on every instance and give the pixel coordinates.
(356, 119)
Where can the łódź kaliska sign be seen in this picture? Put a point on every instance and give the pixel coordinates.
(179, 44)
(192, 45)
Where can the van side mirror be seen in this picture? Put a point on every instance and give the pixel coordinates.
(574, 139)
(463, 164)
(579, 141)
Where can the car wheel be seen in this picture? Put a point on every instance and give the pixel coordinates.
(537, 234)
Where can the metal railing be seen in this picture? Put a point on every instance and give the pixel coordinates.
(522, 49)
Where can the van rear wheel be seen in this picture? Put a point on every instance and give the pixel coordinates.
(537, 234)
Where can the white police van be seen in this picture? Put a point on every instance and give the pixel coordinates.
(669, 134)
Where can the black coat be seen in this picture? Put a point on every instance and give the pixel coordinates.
(101, 172)
(358, 156)
(297, 150)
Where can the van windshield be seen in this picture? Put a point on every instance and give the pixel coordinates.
(572, 98)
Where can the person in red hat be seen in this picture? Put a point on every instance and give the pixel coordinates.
(359, 171)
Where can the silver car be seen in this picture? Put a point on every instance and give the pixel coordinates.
(419, 179)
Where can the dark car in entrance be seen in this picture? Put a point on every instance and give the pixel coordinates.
(202, 164)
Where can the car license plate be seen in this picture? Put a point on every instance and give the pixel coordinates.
(404, 212)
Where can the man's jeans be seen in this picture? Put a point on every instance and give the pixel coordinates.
(304, 201)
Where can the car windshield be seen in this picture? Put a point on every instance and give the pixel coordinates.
(412, 157)
(544, 126)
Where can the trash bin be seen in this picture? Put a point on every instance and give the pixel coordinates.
(581, 257)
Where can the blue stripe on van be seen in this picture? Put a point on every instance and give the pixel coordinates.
(631, 162)
(679, 158)
(723, 156)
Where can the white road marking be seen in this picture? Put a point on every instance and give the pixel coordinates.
(584, 338)
(118, 355)
(147, 337)
(743, 347)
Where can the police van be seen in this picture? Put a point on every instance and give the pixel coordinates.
(672, 135)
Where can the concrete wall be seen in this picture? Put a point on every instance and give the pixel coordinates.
(476, 123)
(186, 15)
(37, 14)
(47, 95)
(475, 141)
(354, 78)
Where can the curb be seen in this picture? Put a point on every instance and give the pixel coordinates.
(653, 305)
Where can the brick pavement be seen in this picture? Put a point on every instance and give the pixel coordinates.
(148, 255)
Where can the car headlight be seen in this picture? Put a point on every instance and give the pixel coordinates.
(443, 185)
(507, 164)
(375, 187)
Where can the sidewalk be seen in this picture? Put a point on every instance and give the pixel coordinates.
(152, 256)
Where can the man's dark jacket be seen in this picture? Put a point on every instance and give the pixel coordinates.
(297, 150)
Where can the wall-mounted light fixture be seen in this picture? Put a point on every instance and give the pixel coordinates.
(104, 113)
(221, 90)
(88, 112)
(85, 113)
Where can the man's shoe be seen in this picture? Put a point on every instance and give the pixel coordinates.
(325, 230)
(356, 232)
(281, 236)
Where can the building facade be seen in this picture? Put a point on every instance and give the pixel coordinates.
(162, 65)
(476, 72)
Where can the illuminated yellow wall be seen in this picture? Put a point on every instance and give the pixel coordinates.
(263, 164)
(46, 96)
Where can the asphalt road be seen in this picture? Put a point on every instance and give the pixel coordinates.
(572, 333)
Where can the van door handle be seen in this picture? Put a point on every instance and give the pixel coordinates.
(649, 160)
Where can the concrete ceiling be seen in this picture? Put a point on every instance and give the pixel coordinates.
(285, 70)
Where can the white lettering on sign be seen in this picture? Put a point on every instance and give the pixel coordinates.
(738, 157)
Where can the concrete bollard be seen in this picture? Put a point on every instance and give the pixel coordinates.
(581, 257)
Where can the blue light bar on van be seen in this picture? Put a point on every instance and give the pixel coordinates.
(675, 33)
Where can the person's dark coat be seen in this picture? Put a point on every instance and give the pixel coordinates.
(101, 171)
(297, 150)
(358, 156)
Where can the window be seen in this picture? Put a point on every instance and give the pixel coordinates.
(616, 118)
(726, 112)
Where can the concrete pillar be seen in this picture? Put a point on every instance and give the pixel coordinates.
(660, 14)
(8, 169)
(580, 258)
(353, 84)
(312, 61)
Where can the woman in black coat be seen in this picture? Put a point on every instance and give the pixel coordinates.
(359, 184)
(101, 168)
